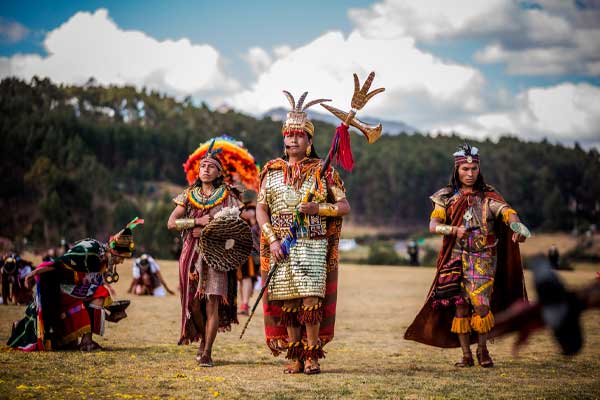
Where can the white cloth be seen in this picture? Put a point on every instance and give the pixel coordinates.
(23, 272)
(158, 291)
(137, 272)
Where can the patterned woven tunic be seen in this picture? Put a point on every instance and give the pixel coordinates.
(477, 251)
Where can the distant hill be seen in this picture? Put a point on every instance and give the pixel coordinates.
(389, 127)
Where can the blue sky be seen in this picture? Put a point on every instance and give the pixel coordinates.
(483, 69)
(230, 26)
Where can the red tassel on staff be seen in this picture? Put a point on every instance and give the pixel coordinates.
(343, 157)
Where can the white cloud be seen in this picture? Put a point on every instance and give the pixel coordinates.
(581, 56)
(11, 31)
(556, 38)
(437, 95)
(92, 45)
(566, 113)
(428, 20)
(282, 51)
(421, 89)
(415, 81)
(258, 59)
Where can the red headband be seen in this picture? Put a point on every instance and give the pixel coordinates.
(466, 159)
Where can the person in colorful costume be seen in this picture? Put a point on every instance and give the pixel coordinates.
(299, 306)
(208, 296)
(147, 279)
(247, 273)
(479, 269)
(71, 296)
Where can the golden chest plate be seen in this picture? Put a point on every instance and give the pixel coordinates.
(291, 197)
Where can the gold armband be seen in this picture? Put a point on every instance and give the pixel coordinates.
(438, 213)
(506, 213)
(267, 230)
(262, 197)
(328, 210)
(184, 223)
(338, 194)
(443, 229)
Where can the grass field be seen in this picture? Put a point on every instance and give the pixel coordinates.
(367, 359)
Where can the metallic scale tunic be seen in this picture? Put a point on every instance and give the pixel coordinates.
(304, 272)
(478, 250)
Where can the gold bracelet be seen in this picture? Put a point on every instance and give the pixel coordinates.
(338, 194)
(184, 223)
(267, 230)
(328, 210)
(443, 229)
(262, 197)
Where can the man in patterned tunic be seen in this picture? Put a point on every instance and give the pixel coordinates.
(479, 267)
(300, 304)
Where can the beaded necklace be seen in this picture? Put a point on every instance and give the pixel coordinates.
(199, 200)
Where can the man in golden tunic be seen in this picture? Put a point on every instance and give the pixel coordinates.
(303, 289)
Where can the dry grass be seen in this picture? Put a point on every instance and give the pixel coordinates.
(368, 358)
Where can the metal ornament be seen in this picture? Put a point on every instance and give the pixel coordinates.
(360, 97)
(468, 215)
(520, 228)
(291, 197)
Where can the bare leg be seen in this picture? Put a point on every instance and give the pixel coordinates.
(312, 331)
(87, 344)
(246, 290)
(482, 352)
(212, 325)
(464, 339)
(294, 333)
(294, 337)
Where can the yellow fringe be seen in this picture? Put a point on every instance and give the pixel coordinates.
(438, 213)
(311, 308)
(75, 335)
(506, 213)
(460, 325)
(482, 325)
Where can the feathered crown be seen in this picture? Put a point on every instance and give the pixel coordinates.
(210, 152)
(211, 155)
(121, 244)
(466, 154)
(297, 119)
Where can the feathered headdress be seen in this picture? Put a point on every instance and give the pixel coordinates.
(297, 119)
(211, 155)
(237, 162)
(466, 154)
(122, 244)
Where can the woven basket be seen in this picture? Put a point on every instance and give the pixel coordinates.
(226, 242)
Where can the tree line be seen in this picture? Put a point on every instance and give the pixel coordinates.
(80, 161)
